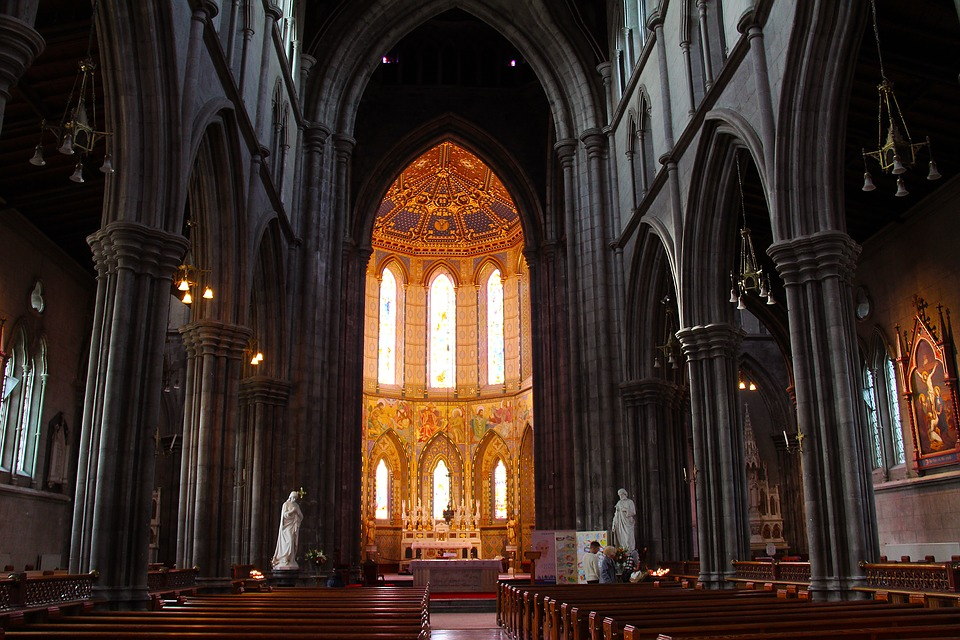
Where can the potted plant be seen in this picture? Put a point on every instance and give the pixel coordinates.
(317, 558)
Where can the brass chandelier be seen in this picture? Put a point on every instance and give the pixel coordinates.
(896, 152)
(750, 277)
(77, 132)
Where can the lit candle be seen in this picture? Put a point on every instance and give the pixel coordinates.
(785, 438)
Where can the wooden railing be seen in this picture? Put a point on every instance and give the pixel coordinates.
(913, 576)
(18, 591)
(772, 571)
(170, 580)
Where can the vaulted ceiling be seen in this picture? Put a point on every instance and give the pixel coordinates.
(920, 43)
(448, 202)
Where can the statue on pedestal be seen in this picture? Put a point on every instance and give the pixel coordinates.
(285, 556)
(623, 529)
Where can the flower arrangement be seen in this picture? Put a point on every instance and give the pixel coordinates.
(316, 556)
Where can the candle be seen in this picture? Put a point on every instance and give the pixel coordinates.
(785, 438)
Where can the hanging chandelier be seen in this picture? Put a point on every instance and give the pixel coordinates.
(750, 277)
(896, 152)
(670, 349)
(256, 356)
(189, 281)
(76, 134)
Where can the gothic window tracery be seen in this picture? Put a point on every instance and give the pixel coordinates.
(382, 491)
(441, 489)
(21, 406)
(500, 491)
(443, 328)
(387, 351)
(495, 338)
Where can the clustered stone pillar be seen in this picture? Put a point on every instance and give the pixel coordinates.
(111, 533)
(651, 412)
(261, 454)
(207, 472)
(817, 271)
(720, 473)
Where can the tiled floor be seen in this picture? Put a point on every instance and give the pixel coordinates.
(465, 626)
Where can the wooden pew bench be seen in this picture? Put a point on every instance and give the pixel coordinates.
(822, 625)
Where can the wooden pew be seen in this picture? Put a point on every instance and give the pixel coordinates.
(816, 622)
(377, 613)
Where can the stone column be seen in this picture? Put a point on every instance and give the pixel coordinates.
(651, 409)
(553, 396)
(720, 473)
(261, 456)
(111, 518)
(817, 272)
(19, 45)
(206, 517)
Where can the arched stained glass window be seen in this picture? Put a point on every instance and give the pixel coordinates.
(387, 353)
(443, 332)
(21, 406)
(383, 491)
(441, 489)
(873, 418)
(500, 491)
(896, 427)
(495, 329)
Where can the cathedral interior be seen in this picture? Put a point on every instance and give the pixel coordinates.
(476, 265)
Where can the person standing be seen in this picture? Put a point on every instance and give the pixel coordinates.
(591, 564)
(608, 568)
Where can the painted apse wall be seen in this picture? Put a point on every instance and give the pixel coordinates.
(449, 214)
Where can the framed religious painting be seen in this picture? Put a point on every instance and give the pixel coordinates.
(928, 371)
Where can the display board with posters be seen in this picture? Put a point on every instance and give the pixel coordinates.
(558, 556)
(584, 538)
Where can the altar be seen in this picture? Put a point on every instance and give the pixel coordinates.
(456, 575)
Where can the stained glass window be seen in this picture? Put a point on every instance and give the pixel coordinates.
(500, 491)
(387, 369)
(896, 427)
(382, 491)
(495, 329)
(441, 490)
(873, 418)
(443, 327)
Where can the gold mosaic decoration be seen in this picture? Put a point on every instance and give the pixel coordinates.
(447, 201)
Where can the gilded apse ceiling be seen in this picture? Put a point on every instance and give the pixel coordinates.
(447, 201)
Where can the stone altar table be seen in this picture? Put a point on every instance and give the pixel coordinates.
(456, 575)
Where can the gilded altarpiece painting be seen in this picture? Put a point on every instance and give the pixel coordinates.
(470, 437)
(927, 362)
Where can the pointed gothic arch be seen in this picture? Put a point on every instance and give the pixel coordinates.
(492, 449)
(440, 447)
(389, 449)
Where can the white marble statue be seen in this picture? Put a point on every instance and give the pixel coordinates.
(623, 529)
(285, 556)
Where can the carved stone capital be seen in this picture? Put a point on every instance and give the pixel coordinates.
(209, 337)
(139, 248)
(595, 142)
(344, 145)
(19, 45)
(648, 391)
(264, 390)
(828, 254)
(315, 136)
(711, 341)
(565, 149)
